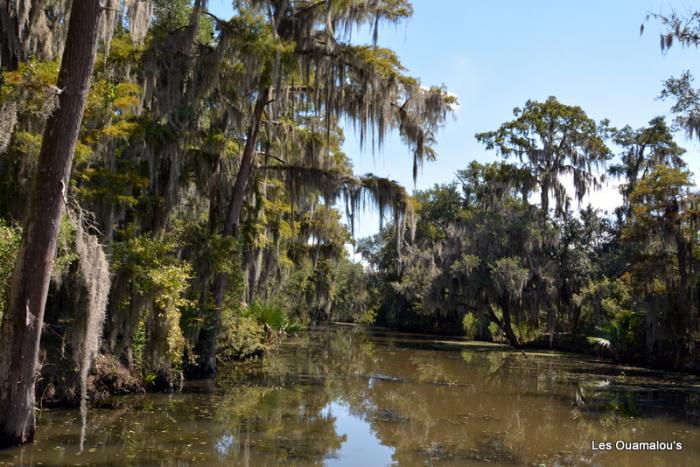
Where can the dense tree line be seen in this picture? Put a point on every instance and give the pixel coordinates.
(507, 252)
(491, 256)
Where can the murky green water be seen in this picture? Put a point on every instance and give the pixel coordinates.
(353, 398)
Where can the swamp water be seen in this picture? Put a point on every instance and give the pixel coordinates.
(350, 397)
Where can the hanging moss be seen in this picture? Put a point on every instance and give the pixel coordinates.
(39, 30)
(139, 13)
(8, 119)
(93, 271)
(167, 119)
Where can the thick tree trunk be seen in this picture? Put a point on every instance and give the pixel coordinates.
(20, 332)
(207, 348)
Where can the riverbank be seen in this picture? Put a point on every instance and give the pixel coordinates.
(561, 342)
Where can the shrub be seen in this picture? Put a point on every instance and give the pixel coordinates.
(470, 324)
(272, 315)
(242, 337)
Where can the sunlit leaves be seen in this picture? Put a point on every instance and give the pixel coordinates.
(551, 140)
(9, 244)
(32, 88)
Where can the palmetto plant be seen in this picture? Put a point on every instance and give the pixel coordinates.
(618, 334)
(273, 315)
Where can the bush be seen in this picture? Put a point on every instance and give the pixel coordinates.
(272, 315)
(242, 337)
(620, 335)
(470, 324)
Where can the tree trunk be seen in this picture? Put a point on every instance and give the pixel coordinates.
(20, 332)
(505, 324)
(246, 168)
(9, 45)
(508, 328)
(680, 324)
(576, 321)
(210, 334)
(544, 198)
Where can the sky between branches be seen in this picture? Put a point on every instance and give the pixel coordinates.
(494, 55)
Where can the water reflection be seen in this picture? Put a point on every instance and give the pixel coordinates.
(346, 397)
(360, 446)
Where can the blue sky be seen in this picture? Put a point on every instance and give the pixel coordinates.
(496, 54)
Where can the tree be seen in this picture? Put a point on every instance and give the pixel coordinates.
(687, 102)
(663, 232)
(551, 140)
(22, 322)
(577, 261)
(481, 252)
(685, 29)
(643, 149)
(306, 66)
(509, 279)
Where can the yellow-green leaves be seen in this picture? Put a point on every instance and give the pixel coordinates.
(9, 244)
(32, 87)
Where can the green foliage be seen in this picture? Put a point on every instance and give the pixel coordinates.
(619, 335)
(494, 329)
(270, 314)
(123, 53)
(470, 324)
(138, 345)
(509, 277)
(106, 185)
(603, 300)
(437, 207)
(242, 337)
(551, 139)
(156, 274)
(466, 264)
(356, 297)
(643, 149)
(27, 144)
(153, 266)
(32, 88)
(66, 253)
(10, 238)
(213, 251)
(170, 15)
